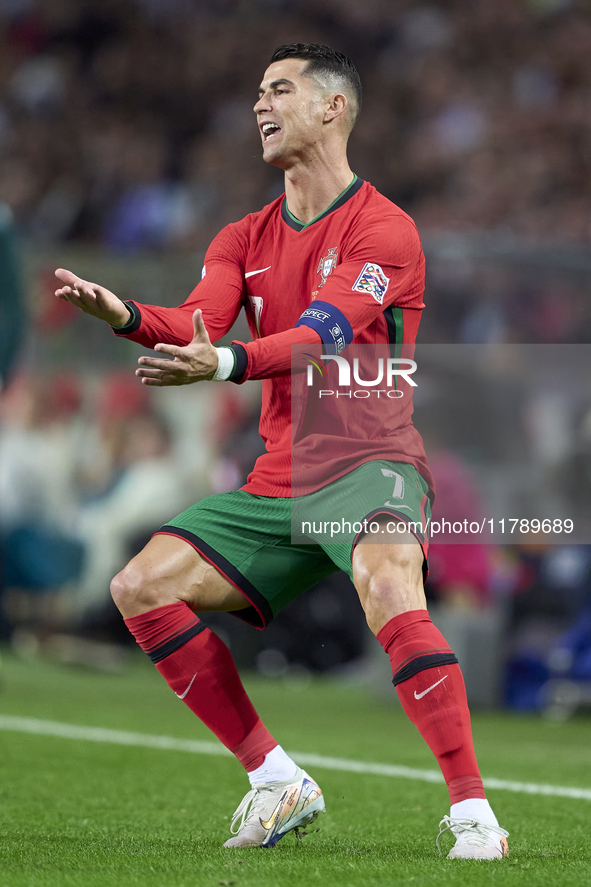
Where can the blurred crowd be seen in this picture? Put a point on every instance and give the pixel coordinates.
(129, 122)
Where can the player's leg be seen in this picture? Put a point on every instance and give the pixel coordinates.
(428, 680)
(158, 593)
(375, 503)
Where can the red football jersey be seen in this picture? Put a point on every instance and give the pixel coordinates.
(354, 275)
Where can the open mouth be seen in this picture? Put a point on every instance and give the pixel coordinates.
(269, 130)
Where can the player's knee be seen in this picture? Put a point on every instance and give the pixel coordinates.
(391, 591)
(390, 578)
(132, 590)
(383, 589)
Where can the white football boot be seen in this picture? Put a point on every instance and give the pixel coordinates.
(270, 811)
(474, 839)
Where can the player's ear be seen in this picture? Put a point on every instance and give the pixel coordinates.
(337, 107)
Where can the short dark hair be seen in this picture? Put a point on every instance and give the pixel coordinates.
(323, 60)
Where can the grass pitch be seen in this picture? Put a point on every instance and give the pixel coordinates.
(83, 814)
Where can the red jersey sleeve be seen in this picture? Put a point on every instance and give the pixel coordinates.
(382, 265)
(219, 295)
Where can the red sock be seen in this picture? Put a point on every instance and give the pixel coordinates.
(198, 666)
(431, 689)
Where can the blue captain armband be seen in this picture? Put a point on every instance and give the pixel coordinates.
(331, 325)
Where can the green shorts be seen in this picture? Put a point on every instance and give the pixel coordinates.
(273, 549)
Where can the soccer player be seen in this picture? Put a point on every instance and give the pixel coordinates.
(330, 264)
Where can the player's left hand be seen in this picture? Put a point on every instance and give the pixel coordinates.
(194, 362)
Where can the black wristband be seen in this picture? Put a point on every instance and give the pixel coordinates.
(241, 364)
(134, 322)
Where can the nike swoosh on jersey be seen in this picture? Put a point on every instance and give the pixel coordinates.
(182, 695)
(260, 271)
(428, 690)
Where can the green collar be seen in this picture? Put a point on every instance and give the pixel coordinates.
(339, 201)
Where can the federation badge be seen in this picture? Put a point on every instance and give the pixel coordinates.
(372, 280)
(327, 265)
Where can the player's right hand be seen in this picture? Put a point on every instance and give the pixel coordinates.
(92, 299)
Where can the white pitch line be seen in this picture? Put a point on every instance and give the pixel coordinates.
(195, 746)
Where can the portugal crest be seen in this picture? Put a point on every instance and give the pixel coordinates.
(327, 265)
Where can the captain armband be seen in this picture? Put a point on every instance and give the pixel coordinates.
(331, 325)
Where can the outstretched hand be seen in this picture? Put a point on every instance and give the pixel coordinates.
(190, 363)
(92, 299)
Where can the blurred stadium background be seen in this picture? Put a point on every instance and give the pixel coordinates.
(127, 140)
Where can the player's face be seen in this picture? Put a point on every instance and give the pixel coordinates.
(290, 113)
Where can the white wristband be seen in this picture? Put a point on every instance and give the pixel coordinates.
(226, 361)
